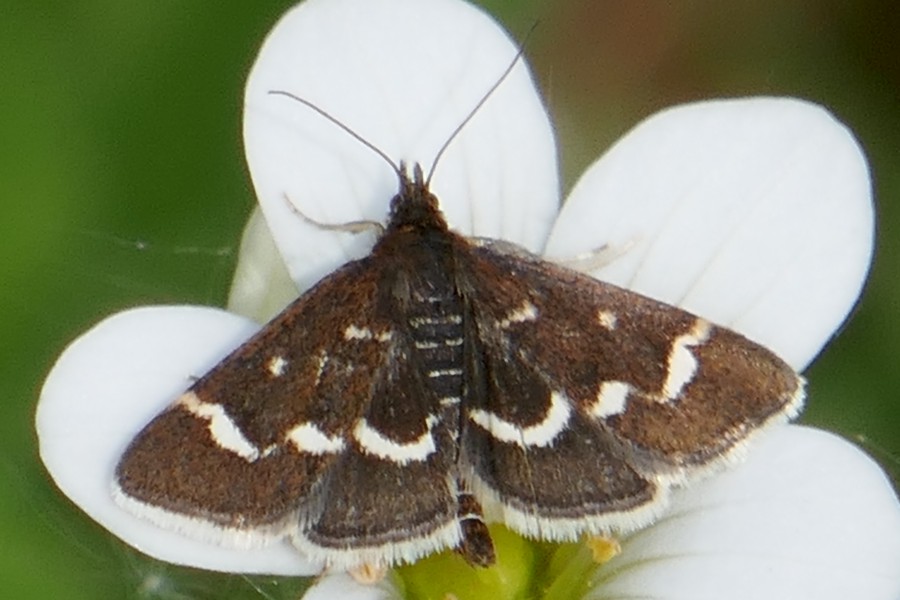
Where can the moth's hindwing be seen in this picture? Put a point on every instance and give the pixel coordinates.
(588, 401)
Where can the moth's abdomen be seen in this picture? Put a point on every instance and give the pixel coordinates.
(436, 332)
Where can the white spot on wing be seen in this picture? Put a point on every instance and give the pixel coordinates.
(607, 319)
(540, 434)
(357, 333)
(526, 312)
(364, 333)
(321, 361)
(222, 429)
(276, 366)
(373, 442)
(611, 399)
(682, 364)
(308, 438)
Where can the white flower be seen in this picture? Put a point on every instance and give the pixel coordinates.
(755, 213)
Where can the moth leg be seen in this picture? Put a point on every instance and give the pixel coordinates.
(353, 227)
(597, 258)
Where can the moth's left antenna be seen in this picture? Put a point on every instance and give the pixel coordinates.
(397, 168)
(340, 124)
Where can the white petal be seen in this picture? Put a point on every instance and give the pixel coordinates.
(105, 387)
(343, 587)
(755, 213)
(807, 516)
(403, 74)
(261, 287)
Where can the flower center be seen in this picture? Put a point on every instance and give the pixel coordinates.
(524, 569)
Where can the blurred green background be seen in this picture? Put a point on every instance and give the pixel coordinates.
(123, 183)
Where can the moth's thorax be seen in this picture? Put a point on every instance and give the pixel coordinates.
(420, 248)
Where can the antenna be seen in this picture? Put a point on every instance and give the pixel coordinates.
(478, 105)
(453, 135)
(340, 124)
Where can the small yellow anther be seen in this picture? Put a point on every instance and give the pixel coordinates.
(603, 548)
(367, 574)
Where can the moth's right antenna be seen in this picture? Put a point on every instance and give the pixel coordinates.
(480, 103)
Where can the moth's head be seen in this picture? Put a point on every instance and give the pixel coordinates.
(414, 206)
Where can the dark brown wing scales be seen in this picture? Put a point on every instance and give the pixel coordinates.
(391, 497)
(233, 449)
(650, 390)
(263, 442)
(176, 466)
(380, 512)
(689, 389)
(371, 420)
(551, 470)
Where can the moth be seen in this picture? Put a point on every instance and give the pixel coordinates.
(442, 381)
